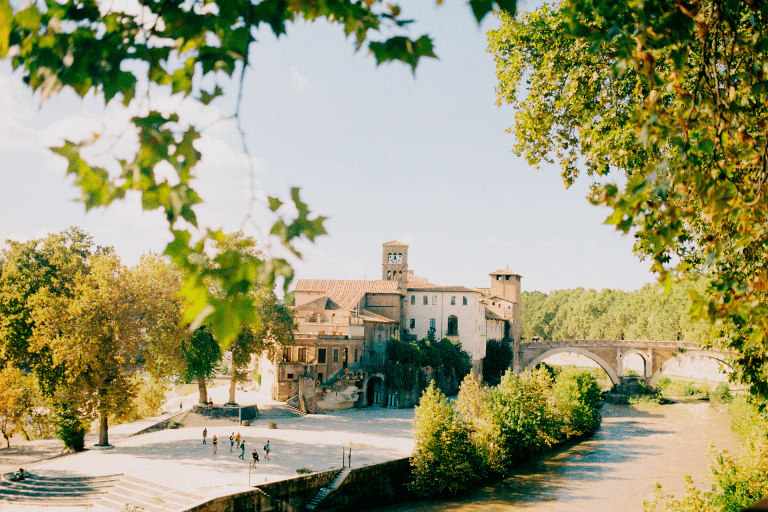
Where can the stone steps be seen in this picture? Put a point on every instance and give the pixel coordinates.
(325, 491)
(111, 492)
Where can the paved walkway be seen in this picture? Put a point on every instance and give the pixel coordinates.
(177, 459)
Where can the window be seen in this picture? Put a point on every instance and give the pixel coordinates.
(321, 355)
(302, 354)
(453, 326)
(355, 354)
(413, 323)
(426, 300)
(335, 355)
(320, 375)
(464, 300)
(289, 376)
(413, 300)
(287, 355)
(431, 323)
(389, 274)
(453, 300)
(434, 300)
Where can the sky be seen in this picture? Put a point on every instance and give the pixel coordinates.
(384, 154)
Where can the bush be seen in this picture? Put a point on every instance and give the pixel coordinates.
(71, 429)
(445, 461)
(721, 394)
(577, 401)
(498, 356)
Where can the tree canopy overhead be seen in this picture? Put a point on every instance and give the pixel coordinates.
(673, 98)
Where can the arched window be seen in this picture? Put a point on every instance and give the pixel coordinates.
(389, 274)
(453, 326)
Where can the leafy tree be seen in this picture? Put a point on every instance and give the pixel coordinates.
(444, 461)
(577, 402)
(273, 329)
(202, 356)
(117, 324)
(498, 356)
(191, 49)
(671, 96)
(16, 402)
(49, 265)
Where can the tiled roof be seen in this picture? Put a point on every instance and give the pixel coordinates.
(503, 272)
(414, 280)
(433, 288)
(395, 242)
(490, 315)
(345, 294)
(303, 313)
(370, 316)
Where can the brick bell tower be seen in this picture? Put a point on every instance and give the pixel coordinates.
(394, 267)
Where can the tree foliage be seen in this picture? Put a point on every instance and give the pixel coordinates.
(17, 402)
(118, 323)
(445, 461)
(498, 427)
(644, 314)
(405, 359)
(498, 356)
(202, 356)
(672, 97)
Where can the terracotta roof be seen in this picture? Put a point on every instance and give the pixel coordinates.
(370, 316)
(490, 315)
(433, 288)
(345, 294)
(504, 272)
(304, 313)
(395, 242)
(414, 280)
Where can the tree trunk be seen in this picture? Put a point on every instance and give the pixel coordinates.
(103, 436)
(232, 387)
(7, 440)
(203, 390)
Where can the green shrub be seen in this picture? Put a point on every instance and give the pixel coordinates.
(577, 400)
(721, 394)
(71, 429)
(445, 461)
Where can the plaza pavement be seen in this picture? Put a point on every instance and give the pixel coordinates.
(178, 459)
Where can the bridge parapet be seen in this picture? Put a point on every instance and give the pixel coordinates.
(610, 354)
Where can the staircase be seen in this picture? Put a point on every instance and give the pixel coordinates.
(325, 491)
(111, 493)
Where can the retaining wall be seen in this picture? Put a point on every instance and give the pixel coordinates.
(375, 485)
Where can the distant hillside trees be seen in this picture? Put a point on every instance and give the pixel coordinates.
(613, 314)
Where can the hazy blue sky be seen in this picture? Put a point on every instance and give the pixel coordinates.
(385, 155)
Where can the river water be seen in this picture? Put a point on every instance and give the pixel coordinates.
(615, 470)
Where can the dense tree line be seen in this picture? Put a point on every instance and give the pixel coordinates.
(645, 314)
(406, 359)
(488, 430)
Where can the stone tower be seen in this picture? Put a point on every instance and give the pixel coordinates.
(394, 265)
(507, 285)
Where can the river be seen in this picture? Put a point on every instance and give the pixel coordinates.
(615, 470)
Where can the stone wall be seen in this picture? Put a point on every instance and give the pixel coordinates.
(299, 491)
(248, 501)
(379, 484)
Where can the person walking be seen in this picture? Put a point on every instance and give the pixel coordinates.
(205, 434)
(231, 442)
(238, 439)
(242, 450)
(255, 457)
(215, 443)
(266, 450)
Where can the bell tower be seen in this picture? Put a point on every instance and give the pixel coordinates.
(394, 264)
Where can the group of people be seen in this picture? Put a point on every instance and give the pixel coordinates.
(240, 445)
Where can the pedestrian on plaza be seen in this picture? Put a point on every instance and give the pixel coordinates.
(238, 439)
(210, 403)
(266, 449)
(231, 442)
(215, 443)
(242, 450)
(205, 434)
(180, 406)
(255, 457)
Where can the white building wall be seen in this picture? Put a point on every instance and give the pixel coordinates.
(471, 317)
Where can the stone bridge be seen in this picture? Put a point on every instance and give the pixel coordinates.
(610, 354)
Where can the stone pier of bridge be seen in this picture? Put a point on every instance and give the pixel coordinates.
(610, 354)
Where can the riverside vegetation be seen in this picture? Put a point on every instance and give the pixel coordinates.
(486, 431)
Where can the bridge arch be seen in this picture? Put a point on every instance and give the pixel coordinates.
(576, 350)
(643, 355)
(689, 353)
